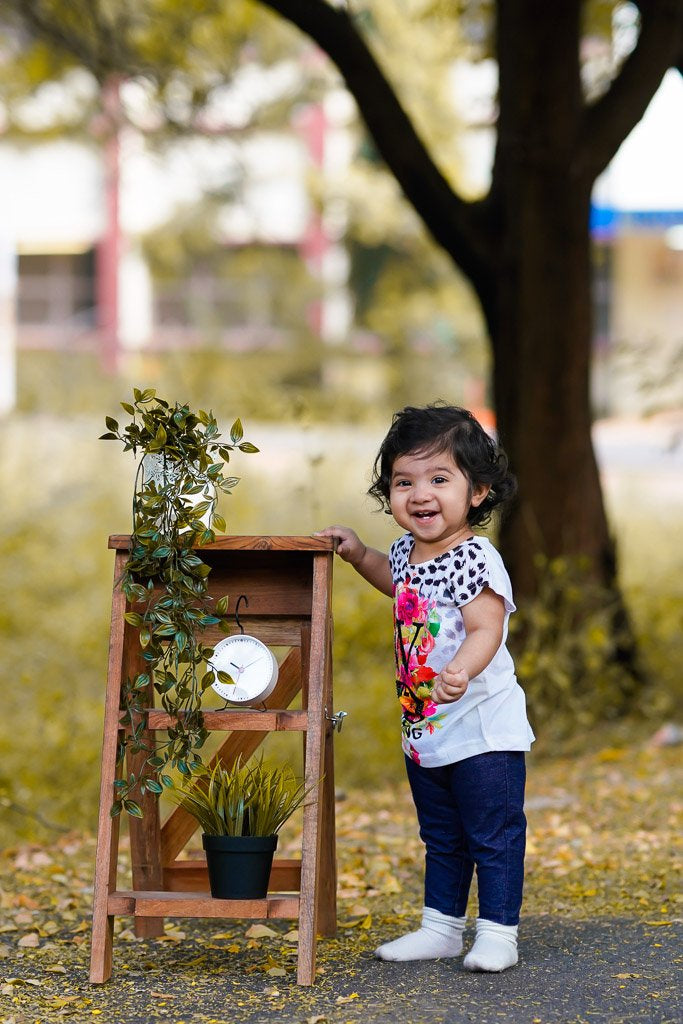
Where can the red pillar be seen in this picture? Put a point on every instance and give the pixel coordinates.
(109, 248)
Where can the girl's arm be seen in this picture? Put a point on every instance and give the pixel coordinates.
(371, 564)
(484, 618)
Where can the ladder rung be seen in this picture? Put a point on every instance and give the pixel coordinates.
(252, 720)
(198, 904)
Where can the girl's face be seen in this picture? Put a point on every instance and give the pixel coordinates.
(430, 497)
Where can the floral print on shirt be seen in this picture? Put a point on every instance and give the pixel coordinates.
(416, 624)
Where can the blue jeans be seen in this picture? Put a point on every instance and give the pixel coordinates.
(472, 813)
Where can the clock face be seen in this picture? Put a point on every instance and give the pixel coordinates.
(249, 663)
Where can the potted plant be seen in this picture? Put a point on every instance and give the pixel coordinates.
(241, 809)
(165, 579)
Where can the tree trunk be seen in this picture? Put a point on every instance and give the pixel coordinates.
(537, 302)
(545, 419)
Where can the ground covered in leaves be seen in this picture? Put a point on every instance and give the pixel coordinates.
(597, 939)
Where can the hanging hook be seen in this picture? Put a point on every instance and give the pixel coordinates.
(242, 597)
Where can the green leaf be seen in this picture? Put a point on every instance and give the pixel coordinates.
(153, 787)
(128, 408)
(132, 808)
(133, 618)
(222, 604)
(247, 446)
(108, 437)
(115, 809)
(112, 424)
(219, 522)
(166, 629)
(162, 552)
(236, 431)
(147, 395)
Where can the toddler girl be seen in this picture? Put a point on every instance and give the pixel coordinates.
(464, 724)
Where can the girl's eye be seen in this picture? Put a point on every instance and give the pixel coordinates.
(402, 483)
(439, 480)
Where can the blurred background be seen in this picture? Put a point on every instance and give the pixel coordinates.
(227, 234)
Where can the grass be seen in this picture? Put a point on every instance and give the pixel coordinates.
(65, 492)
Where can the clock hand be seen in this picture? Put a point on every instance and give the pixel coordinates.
(240, 668)
(260, 658)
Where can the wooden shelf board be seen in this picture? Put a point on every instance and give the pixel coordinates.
(192, 876)
(121, 541)
(199, 904)
(244, 720)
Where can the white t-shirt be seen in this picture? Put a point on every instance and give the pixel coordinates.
(428, 630)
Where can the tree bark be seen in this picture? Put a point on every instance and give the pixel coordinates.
(540, 317)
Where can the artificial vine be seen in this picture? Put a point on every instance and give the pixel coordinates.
(167, 580)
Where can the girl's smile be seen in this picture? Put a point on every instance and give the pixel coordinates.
(431, 497)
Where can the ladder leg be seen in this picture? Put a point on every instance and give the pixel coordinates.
(310, 845)
(327, 883)
(106, 861)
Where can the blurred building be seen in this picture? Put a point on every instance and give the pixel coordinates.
(77, 215)
(637, 227)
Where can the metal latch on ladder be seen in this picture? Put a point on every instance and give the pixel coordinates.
(337, 720)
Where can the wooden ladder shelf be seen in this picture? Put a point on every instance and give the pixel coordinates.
(288, 582)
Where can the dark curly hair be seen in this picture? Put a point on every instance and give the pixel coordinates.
(446, 428)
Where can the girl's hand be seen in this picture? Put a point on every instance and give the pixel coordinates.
(350, 547)
(450, 684)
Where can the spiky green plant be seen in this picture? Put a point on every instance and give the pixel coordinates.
(253, 799)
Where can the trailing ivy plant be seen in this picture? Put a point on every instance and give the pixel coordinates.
(165, 581)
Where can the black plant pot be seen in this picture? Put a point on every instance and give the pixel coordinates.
(239, 866)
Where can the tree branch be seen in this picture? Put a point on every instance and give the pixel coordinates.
(608, 121)
(455, 224)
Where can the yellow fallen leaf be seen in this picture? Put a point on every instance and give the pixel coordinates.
(30, 941)
(658, 924)
(276, 972)
(292, 936)
(346, 999)
(317, 1019)
(366, 922)
(259, 931)
(628, 974)
(56, 969)
(611, 754)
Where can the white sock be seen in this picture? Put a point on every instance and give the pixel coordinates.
(494, 949)
(439, 936)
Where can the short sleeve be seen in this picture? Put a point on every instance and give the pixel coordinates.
(398, 558)
(476, 565)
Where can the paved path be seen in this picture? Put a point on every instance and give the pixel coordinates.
(571, 972)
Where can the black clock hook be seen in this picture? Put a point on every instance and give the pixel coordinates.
(242, 597)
